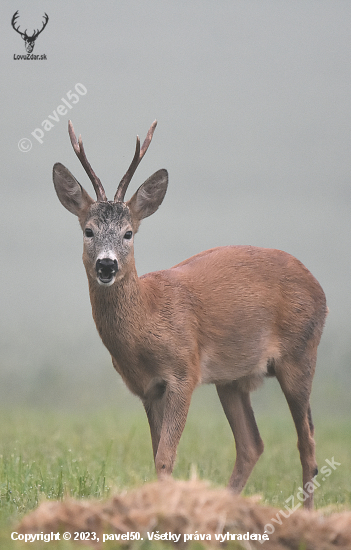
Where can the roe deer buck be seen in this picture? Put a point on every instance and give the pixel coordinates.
(228, 316)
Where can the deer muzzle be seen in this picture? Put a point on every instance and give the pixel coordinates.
(106, 270)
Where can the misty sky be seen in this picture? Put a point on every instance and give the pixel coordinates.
(253, 102)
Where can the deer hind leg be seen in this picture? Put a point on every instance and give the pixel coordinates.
(297, 391)
(249, 445)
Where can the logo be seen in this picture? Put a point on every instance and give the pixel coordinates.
(29, 41)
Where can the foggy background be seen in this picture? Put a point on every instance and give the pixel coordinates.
(254, 115)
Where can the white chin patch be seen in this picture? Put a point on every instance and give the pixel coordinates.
(109, 283)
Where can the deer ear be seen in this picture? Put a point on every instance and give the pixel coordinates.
(149, 196)
(69, 191)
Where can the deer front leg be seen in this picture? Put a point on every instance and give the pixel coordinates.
(176, 405)
(154, 411)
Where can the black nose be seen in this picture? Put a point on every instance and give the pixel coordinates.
(106, 269)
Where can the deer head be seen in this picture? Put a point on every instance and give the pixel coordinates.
(109, 226)
(29, 40)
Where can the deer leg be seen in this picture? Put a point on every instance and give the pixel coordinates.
(176, 406)
(310, 421)
(297, 395)
(154, 412)
(249, 445)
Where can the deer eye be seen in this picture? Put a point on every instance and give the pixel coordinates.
(128, 235)
(88, 232)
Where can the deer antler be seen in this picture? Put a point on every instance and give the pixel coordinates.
(138, 155)
(13, 21)
(24, 34)
(36, 34)
(79, 151)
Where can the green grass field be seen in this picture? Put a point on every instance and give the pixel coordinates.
(46, 454)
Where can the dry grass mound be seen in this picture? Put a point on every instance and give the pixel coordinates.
(192, 508)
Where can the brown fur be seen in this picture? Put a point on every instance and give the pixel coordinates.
(220, 317)
(228, 316)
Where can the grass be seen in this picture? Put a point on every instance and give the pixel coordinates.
(91, 454)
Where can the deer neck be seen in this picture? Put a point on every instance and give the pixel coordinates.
(119, 313)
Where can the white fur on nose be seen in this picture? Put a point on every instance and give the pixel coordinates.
(107, 254)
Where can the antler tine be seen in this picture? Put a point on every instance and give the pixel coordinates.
(44, 23)
(14, 21)
(79, 151)
(123, 184)
(138, 155)
(148, 139)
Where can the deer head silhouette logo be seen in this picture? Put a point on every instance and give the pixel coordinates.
(29, 40)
